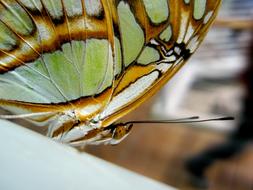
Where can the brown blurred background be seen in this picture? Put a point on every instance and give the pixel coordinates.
(210, 85)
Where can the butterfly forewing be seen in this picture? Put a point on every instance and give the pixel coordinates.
(65, 52)
(93, 60)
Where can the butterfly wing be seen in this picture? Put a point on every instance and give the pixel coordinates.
(163, 35)
(100, 58)
(52, 53)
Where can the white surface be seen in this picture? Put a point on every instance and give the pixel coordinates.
(29, 161)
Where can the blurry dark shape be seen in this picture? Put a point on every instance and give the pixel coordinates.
(236, 142)
(245, 130)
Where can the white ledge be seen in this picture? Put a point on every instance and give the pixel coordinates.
(30, 161)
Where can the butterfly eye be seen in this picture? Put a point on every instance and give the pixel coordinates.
(121, 131)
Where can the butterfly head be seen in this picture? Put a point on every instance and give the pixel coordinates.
(119, 132)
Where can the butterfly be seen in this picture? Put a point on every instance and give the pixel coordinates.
(77, 66)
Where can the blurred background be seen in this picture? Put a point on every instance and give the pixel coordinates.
(217, 81)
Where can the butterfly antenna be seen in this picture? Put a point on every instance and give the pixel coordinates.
(22, 116)
(194, 119)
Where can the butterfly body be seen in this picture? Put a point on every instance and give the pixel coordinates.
(77, 66)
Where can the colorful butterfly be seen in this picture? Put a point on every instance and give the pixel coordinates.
(77, 66)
